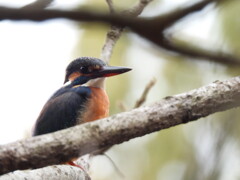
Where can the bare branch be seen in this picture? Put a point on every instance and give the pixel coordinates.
(65, 172)
(143, 97)
(122, 106)
(70, 143)
(157, 26)
(115, 32)
(150, 28)
(118, 171)
(112, 36)
(110, 5)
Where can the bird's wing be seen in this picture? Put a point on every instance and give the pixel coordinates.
(61, 110)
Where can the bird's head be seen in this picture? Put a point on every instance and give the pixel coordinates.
(84, 69)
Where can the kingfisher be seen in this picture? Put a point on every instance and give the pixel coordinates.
(82, 98)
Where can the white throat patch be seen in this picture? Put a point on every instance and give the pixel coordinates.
(98, 83)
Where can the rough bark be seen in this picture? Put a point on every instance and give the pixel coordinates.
(60, 172)
(70, 143)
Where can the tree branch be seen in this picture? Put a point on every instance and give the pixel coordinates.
(110, 6)
(115, 32)
(50, 172)
(150, 28)
(143, 97)
(175, 15)
(194, 52)
(70, 143)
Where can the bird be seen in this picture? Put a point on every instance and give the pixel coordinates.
(82, 98)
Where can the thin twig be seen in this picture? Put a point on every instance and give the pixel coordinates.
(122, 106)
(119, 172)
(110, 6)
(115, 32)
(143, 97)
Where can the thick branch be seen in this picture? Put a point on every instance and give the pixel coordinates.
(65, 172)
(47, 14)
(70, 143)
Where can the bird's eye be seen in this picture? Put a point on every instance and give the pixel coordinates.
(84, 69)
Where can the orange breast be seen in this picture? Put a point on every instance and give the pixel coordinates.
(97, 106)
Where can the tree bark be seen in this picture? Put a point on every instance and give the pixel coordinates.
(60, 172)
(62, 146)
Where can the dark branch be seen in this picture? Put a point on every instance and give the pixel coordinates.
(191, 51)
(150, 28)
(174, 16)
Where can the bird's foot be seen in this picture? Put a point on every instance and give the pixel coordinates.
(76, 165)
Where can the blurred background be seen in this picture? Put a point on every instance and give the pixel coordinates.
(32, 64)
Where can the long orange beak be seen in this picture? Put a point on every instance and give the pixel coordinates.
(108, 71)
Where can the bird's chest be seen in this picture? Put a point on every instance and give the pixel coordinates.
(97, 106)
